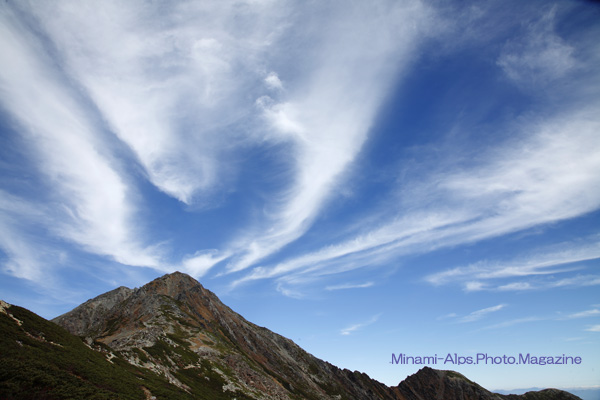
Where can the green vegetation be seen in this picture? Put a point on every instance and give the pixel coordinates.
(196, 373)
(40, 360)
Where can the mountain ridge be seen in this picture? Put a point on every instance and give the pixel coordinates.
(175, 311)
(181, 332)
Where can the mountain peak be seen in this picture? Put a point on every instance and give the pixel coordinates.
(173, 284)
(178, 275)
(429, 383)
(125, 318)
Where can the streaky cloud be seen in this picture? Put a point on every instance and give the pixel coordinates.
(540, 56)
(353, 328)
(542, 263)
(513, 322)
(584, 314)
(479, 314)
(545, 175)
(345, 286)
(90, 199)
(550, 281)
(594, 328)
(172, 89)
(327, 113)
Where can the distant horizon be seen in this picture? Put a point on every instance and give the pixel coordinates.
(366, 179)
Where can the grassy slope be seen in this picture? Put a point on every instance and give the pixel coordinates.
(40, 360)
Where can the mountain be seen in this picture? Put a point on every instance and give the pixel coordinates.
(179, 329)
(172, 338)
(431, 384)
(589, 393)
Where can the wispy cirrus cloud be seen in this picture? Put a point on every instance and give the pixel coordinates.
(342, 256)
(210, 80)
(540, 56)
(345, 286)
(584, 314)
(352, 328)
(544, 176)
(483, 275)
(200, 262)
(24, 261)
(327, 114)
(594, 328)
(476, 315)
(479, 314)
(513, 322)
(90, 202)
(537, 284)
(186, 94)
(542, 173)
(173, 88)
(25, 254)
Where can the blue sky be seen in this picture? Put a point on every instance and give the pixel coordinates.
(365, 178)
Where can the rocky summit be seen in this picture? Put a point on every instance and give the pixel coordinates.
(172, 338)
(179, 329)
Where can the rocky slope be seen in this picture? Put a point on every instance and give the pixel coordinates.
(176, 327)
(183, 333)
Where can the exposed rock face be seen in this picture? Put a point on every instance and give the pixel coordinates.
(3, 306)
(91, 315)
(182, 331)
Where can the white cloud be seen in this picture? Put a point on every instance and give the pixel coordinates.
(344, 286)
(352, 328)
(594, 328)
(183, 93)
(327, 114)
(382, 242)
(178, 91)
(23, 260)
(545, 174)
(198, 264)
(27, 253)
(578, 280)
(447, 316)
(543, 263)
(535, 284)
(176, 83)
(541, 56)
(479, 314)
(273, 81)
(584, 314)
(91, 201)
(474, 286)
(292, 293)
(513, 322)
(515, 286)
